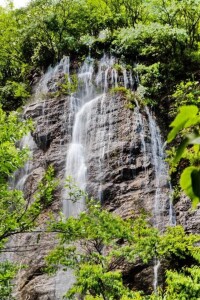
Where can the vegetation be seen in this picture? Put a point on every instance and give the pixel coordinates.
(97, 244)
(17, 214)
(127, 94)
(68, 86)
(160, 40)
(161, 37)
(186, 124)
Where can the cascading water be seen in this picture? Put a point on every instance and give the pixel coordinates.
(20, 176)
(161, 181)
(47, 83)
(89, 99)
(160, 169)
(75, 162)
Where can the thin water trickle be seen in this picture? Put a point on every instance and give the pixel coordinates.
(49, 81)
(156, 268)
(161, 181)
(20, 176)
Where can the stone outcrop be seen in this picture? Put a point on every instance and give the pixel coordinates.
(120, 159)
(119, 173)
(187, 216)
(51, 139)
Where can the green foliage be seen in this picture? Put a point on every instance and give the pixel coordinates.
(183, 285)
(150, 77)
(14, 93)
(190, 179)
(42, 198)
(46, 188)
(161, 35)
(11, 130)
(17, 214)
(187, 94)
(186, 124)
(127, 93)
(164, 37)
(188, 116)
(97, 244)
(153, 41)
(176, 244)
(69, 86)
(13, 67)
(98, 232)
(7, 273)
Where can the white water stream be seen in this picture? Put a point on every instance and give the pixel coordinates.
(90, 95)
(161, 181)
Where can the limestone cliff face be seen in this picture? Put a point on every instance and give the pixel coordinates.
(125, 171)
(119, 173)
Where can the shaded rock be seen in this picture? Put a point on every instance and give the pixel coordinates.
(120, 173)
(188, 217)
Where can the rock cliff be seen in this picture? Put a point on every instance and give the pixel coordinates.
(125, 171)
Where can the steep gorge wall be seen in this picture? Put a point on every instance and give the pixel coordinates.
(120, 172)
(125, 176)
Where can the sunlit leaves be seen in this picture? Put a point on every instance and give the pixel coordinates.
(7, 273)
(11, 130)
(190, 183)
(97, 244)
(187, 117)
(151, 39)
(186, 124)
(183, 285)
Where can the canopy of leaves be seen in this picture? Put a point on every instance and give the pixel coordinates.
(97, 244)
(32, 38)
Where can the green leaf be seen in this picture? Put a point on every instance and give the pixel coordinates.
(191, 139)
(196, 182)
(190, 183)
(185, 118)
(180, 150)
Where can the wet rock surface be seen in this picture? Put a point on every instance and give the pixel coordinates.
(119, 173)
(125, 171)
(51, 137)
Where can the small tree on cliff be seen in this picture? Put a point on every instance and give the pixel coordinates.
(17, 214)
(97, 244)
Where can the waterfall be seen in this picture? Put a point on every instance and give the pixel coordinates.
(90, 120)
(48, 82)
(89, 100)
(19, 177)
(161, 181)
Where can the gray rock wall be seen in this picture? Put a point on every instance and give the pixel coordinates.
(120, 172)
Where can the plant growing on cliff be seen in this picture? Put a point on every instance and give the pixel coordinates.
(12, 204)
(126, 93)
(46, 188)
(7, 273)
(186, 93)
(187, 125)
(97, 244)
(17, 214)
(68, 86)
